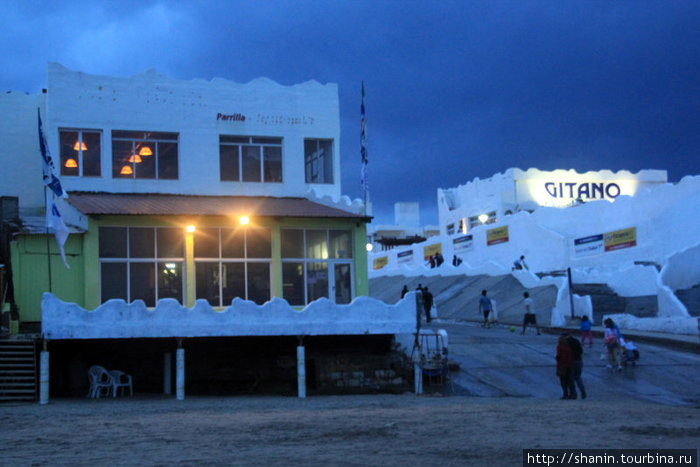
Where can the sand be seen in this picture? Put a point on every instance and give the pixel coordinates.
(365, 430)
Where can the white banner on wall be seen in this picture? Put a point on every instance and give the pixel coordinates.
(463, 244)
(405, 256)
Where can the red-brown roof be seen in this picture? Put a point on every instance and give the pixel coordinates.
(174, 205)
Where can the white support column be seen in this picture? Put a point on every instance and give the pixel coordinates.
(180, 372)
(44, 377)
(301, 370)
(417, 379)
(167, 373)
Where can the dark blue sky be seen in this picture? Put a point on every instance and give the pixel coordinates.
(455, 89)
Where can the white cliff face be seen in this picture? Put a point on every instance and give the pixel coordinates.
(666, 223)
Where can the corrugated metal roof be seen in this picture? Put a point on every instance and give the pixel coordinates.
(174, 205)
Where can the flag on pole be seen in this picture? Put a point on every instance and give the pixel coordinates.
(53, 216)
(363, 141)
(50, 178)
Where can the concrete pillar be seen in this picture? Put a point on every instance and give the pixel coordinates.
(44, 377)
(417, 379)
(167, 373)
(180, 374)
(301, 371)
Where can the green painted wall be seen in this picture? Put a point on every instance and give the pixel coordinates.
(30, 267)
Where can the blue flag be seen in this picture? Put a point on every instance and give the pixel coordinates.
(49, 168)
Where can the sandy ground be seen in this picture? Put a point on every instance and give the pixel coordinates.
(387, 430)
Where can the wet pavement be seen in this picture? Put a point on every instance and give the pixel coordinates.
(496, 362)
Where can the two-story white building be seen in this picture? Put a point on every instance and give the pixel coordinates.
(205, 192)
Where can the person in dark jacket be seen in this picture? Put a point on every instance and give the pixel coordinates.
(577, 366)
(427, 303)
(565, 361)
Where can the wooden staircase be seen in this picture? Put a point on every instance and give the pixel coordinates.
(18, 370)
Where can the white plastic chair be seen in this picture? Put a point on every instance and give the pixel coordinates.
(121, 380)
(100, 379)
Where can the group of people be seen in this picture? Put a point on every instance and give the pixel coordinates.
(425, 298)
(488, 310)
(570, 366)
(436, 260)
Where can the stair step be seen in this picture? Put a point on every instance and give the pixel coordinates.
(18, 371)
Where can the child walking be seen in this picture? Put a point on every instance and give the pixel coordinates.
(586, 332)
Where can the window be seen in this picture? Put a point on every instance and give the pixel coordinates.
(488, 218)
(141, 263)
(250, 159)
(140, 154)
(318, 160)
(80, 153)
(232, 263)
(315, 264)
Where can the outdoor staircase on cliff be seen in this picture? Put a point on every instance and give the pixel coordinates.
(18, 370)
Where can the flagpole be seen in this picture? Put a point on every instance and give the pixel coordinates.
(48, 243)
(363, 151)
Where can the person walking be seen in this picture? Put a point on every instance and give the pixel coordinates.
(404, 291)
(530, 314)
(427, 303)
(586, 331)
(611, 340)
(485, 307)
(565, 361)
(576, 367)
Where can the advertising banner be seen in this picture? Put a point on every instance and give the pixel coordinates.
(497, 235)
(380, 262)
(589, 246)
(404, 256)
(430, 250)
(620, 239)
(463, 244)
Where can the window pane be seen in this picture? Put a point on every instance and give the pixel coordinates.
(258, 243)
(259, 282)
(167, 161)
(142, 276)
(264, 140)
(206, 243)
(232, 243)
(341, 243)
(343, 283)
(147, 167)
(112, 242)
(127, 134)
(68, 139)
(170, 280)
(317, 244)
(251, 163)
(292, 243)
(234, 282)
(91, 156)
(326, 149)
(207, 282)
(234, 139)
(273, 164)
(171, 242)
(311, 160)
(293, 283)
(160, 135)
(316, 281)
(112, 281)
(228, 163)
(120, 159)
(141, 242)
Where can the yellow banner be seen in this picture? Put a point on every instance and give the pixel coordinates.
(619, 239)
(497, 235)
(380, 262)
(430, 250)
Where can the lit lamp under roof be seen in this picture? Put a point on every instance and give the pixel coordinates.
(126, 170)
(80, 145)
(71, 163)
(135, 158)
(145, 151)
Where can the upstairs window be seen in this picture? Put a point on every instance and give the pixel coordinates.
(80, 153)
(250, 159)
(318, 160)
(143, 154)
